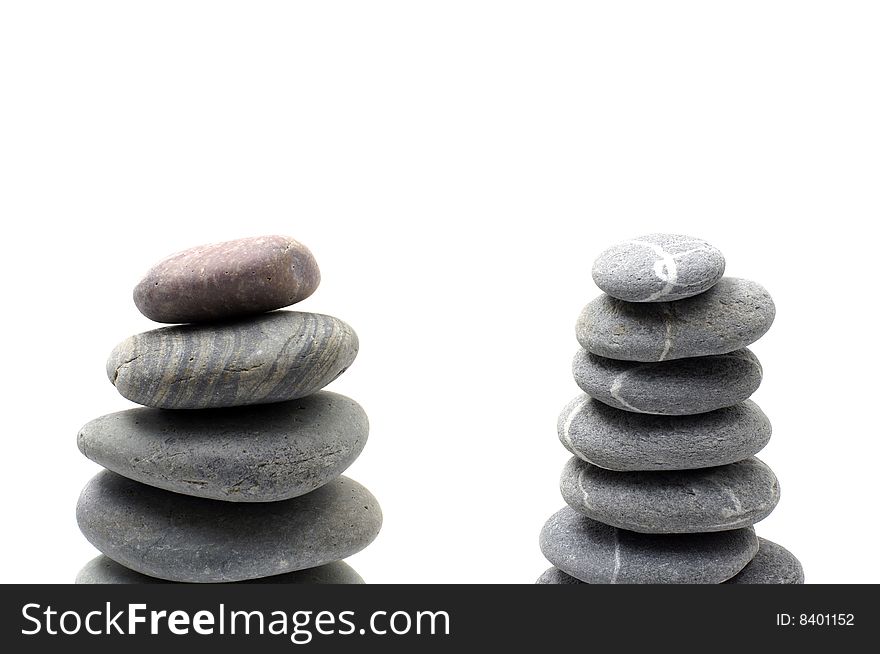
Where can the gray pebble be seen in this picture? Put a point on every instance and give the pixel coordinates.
(658, 268)
(260, 453)
(191, 539)
(672, 501)
(727, 317)
(677, 387)
(600, 554)
(623, 440)
(229, 279)
(278, 356)
(773, 564)
(102, 570)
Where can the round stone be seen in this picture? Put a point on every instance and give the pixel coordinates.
(727, 317)
(773, 564)
(658, 268)
(677, 387)
(226, 280)
(191, 539)
(601, 554)
(102, 570)
(261, 453)
(672, 501)
(278, 356)
(623, 440)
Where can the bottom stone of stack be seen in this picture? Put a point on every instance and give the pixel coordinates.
(190, 539)
(103, 570)
(773, 564)
(601, 554)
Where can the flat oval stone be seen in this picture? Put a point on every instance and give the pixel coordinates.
(623, 440)
(658, 268)
(227, 280)
(278, 356)
(677, 387)
(601, 554)
(191, 539)
(245, 454)
(727, 317)
(102, 570)
(672, 501)
(773, 564)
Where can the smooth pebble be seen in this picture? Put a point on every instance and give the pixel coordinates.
(658, 268)
(773, 564)
(727, 317)
(672, 501)
(191, 539)
(677, 387)
(601, 554)
(260, 453)
(623, 440)
(226, 280)
(278, 356)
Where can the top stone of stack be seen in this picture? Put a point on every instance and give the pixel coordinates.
(658, 268)
(226, 280)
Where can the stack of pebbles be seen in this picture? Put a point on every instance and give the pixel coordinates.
(233, 471)
(664, 486)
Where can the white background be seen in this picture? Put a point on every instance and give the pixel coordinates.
(455, 167)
